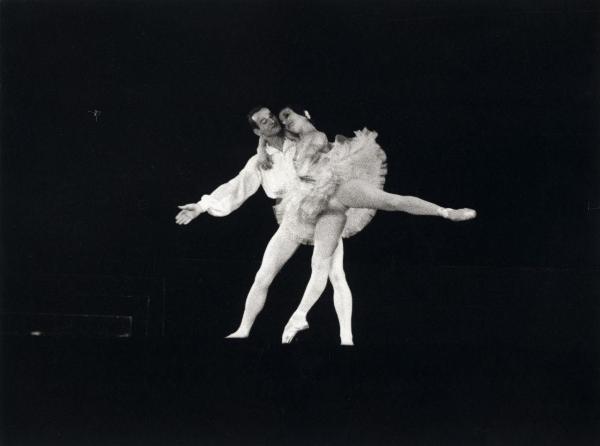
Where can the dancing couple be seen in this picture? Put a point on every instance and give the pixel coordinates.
(324, 192)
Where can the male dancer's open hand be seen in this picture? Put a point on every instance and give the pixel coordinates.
(188, 213)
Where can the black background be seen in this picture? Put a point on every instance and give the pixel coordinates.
(493, 107)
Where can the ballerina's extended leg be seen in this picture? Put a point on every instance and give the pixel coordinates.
(360, 194)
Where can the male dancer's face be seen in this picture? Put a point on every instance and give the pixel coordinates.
(267, 123)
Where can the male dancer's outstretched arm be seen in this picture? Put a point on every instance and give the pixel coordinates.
(226, 198)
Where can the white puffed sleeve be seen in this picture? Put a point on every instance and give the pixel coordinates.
(228, 197)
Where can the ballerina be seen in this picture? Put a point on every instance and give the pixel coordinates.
(336, 193)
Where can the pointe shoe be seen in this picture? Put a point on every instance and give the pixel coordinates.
(237, 335)
(291, 328)
(461, 214)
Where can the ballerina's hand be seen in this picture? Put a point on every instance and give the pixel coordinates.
(188, 213)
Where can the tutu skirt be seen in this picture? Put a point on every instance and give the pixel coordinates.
(308, 195)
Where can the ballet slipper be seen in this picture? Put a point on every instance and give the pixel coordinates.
(347, 341)
(296, 323)
(238, 334)
(457, 214)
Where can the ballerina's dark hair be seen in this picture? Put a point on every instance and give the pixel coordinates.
(301, 111)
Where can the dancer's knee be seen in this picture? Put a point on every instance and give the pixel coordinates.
(393, 202)
(321, 264)
(337, 278)
(263, 278)
(335, 206)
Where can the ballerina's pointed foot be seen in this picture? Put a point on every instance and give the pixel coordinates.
(238, 334)
(461, 214)
(294, 325)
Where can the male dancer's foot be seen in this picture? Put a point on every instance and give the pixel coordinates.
(296, 323)
(346, 339)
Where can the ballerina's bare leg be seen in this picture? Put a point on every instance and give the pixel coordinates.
(360, 194)
(328, 229)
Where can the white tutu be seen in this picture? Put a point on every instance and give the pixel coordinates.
(319, 175)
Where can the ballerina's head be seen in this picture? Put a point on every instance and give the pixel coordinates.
(296, 123)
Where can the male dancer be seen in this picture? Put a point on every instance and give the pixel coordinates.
(270, 168)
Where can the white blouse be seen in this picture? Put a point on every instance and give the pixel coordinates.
(228, 197)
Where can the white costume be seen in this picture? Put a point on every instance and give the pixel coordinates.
(358, 157)
(228, 197)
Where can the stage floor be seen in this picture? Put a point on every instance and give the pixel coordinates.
(193, 392)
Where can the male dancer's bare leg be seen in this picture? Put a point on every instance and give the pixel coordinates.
(342, 296)
(328, 231)
(279, 250)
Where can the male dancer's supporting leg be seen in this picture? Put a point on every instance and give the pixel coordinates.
(342, 296)
(279, 250)
(328, 231)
